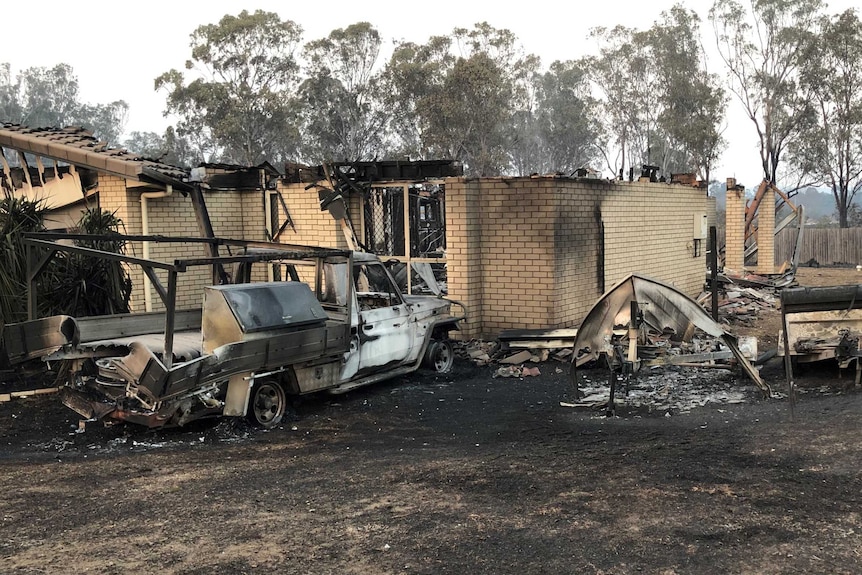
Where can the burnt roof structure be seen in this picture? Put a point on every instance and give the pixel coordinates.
(77, 146)
(376, 171)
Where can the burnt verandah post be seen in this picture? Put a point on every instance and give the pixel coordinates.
(713, 270)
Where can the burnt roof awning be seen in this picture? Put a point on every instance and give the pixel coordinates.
(378, 171)
(76, 145)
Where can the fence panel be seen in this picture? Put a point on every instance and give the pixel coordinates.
(829, 246)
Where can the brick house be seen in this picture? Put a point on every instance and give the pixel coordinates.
(519, 252)
(536, 252)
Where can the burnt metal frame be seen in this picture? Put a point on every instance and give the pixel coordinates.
(288, 220)
(41, 240)
(411, 225)
(359, 177)
(807, 299)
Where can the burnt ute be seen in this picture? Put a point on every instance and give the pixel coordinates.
(337, 322)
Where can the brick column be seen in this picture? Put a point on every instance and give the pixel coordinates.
(464, 252)
(734, 225)
(766, 233)
(115, 197)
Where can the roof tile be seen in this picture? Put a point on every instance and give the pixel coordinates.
(78, 146)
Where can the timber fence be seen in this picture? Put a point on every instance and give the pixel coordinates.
(827, 246)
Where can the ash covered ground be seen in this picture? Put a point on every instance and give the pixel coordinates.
(460, 473)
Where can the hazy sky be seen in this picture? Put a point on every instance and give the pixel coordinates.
(117, 49)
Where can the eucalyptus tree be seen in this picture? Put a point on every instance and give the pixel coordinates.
(762, 44)
(146, 144)
(567, 124)
(517, 143)
(526, 149)
(50, 97)
(830, 145)
(168, 147)
(624, 74)
(522, 134)
(342, 112)
(10, 105)
(235, 98)
(659, 104)
(106, 121)
(465, 119)
(692, 103)
(460, 97)
(413, 73)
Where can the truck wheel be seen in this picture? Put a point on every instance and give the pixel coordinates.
(268, 404)
(440, 356)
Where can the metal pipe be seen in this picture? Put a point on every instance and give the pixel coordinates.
(32, 304)
(406, 228)
(170, 321)
(269, 227)
(145, 230)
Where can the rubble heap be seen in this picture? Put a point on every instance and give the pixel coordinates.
(742, 305)
(656, 349)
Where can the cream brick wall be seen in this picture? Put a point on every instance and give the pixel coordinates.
(313, 226)
(251, 205)
(114, 197)
(464, 243)
(234, 214)
(465, 246)
(649, 230)
(174, 216)
(712, 211)
(522, 252)
(541, 250)
(734, 225)
(766, 233)
(517, 248)
(579, 253)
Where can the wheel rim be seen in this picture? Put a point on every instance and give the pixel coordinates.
(269, 404)
(443, 357)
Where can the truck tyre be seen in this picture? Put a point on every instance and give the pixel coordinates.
(440, 355)
(267, 404)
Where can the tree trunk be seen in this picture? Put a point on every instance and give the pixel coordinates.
(842, 202)
(842, 216)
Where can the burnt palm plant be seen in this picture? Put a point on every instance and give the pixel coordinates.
(84, 285)
(17, 216)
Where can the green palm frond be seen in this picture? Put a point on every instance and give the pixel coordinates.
(71, 284)
(17, 216)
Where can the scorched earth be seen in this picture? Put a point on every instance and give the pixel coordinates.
(456, 473)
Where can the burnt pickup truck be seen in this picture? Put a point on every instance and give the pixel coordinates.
(336, 321)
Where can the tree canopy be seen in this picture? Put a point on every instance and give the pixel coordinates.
(658, 103)
(234, 100)
(254, 89)
(829, 148)
(49, 97)
(341, 116)
(566, 124)
(763, 44)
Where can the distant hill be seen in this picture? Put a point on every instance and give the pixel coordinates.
(819, 203)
